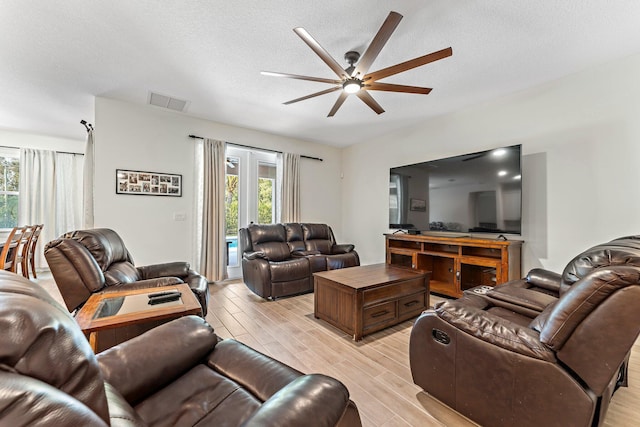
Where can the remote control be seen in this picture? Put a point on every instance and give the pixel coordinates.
(165, 298)
(161, 294)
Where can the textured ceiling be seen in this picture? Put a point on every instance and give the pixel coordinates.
(57, 56)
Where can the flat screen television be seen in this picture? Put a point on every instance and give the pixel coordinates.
(473, 193)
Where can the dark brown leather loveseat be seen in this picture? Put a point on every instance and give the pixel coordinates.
(280, 259)
(550, 350)
(178, 374)
(86, 261)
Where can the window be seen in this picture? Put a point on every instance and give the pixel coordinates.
(9, 186)
(250, 196)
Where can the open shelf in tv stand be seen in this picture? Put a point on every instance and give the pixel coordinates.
(456, 263)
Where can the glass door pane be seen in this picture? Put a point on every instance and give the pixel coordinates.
(232, 209)
(250, 197)
(266, 193)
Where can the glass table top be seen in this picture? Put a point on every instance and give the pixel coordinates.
(131, 304)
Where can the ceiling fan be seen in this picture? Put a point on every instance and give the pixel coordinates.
(355, 79)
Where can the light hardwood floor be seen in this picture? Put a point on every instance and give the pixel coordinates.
(375, 370)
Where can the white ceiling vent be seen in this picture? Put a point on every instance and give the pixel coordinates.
(167, 102)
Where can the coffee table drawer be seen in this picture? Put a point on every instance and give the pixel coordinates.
(378, 313)
(411, 303)
(394, 290)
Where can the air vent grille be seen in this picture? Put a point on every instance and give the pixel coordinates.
(167, 102)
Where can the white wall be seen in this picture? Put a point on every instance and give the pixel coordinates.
(11, 138)
(581, 146)
(146, 138)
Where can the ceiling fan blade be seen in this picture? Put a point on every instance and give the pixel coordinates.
(388, 87)
(319, 50)
(296, 76)
(368, 99)
(378, 42)
(338, 104)
(408, 65)
(313, 95)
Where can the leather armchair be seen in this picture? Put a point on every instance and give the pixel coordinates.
(501, 367)
(280, 259)
(540, 287)
(179, 373)
(86, 261)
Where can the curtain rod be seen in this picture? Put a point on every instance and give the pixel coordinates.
(258, 148)
(61, 152)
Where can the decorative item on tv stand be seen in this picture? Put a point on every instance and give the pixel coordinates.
(457, 264)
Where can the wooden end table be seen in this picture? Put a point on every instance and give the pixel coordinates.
(365, 299)
(117, 309)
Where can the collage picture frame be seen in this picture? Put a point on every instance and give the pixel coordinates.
(148, 183)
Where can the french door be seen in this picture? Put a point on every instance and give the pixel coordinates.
(250, 196)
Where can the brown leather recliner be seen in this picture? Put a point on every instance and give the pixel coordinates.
(280, 259)
(179, 373)
(541, 287)
(500, 366)
(86, 261)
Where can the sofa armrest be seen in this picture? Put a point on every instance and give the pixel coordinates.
(139, 367)
(177, 269)
(254, 255)
(342, 249)
(143, 284)
(494, 330)
(310, 399)
(544, 279)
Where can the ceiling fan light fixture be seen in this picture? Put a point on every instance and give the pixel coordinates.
(352, 85)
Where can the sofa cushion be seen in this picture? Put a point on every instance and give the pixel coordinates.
(121, 272)
(201, 396)
(270, 239)
(295, 237)
(293, 269)
(335, 262)
(318, 237)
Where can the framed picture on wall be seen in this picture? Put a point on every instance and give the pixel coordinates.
(418, 205)
(148, 183)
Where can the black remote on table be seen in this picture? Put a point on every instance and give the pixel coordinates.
(165, 298)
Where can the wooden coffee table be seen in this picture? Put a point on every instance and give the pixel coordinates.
(365, 299)
(117, 309)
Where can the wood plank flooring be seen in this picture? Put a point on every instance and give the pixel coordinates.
(375, 370)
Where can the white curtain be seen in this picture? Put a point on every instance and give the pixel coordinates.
(212, 250)
(50, 185)
(87, 182)
(290, 188)
(69, 168)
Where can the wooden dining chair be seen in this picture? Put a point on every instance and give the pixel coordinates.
(11, 249)
(28, 259)
(23, 252)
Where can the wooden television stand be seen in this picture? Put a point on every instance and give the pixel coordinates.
(456, 263)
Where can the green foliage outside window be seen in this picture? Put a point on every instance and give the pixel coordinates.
(231, 205)
(9, 183)
(265, 201)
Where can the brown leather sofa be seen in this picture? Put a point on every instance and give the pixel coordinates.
(500, 365)
(280, 259)
(178, 374)
(86, 261)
